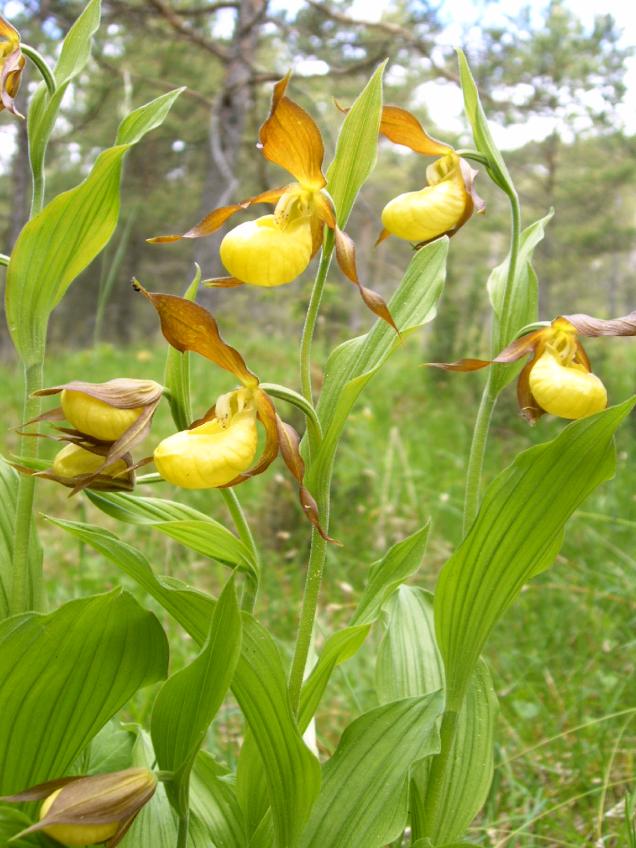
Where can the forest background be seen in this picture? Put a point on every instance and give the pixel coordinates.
(555, 82)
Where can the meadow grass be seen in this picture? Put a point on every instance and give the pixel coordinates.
(562, 658)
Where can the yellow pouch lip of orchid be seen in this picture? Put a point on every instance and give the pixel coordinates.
(95, 417)
(210, 455)
(73, 461)
(567, 391)
(76, 834)
(262, 253)
(425, 214)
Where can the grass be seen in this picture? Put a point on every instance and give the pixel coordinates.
(562, 659)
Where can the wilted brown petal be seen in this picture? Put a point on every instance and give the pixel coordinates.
(401, 127)
(121, 393)
(42, 790)
(514, 351)
(346, 257)
(586, 325)
(223, 283)
(218, 217)
(188, 326)
(384, 235)
(290, 450)
(290, 138)
(10, 81)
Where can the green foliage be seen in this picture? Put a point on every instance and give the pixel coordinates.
(177, 371)
(64, 675)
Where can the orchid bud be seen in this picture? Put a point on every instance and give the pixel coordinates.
(11, 65)
(266, 253)
(74, 461)
(439, 208)
(568, 390)
(96, 417)
(209, 455)
(74, 834)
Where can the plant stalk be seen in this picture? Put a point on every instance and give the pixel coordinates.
(184, 824)
(25, 585)
(312, 316)
(243, 529)
(40, 63)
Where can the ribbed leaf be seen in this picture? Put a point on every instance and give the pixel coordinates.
(176, 376)
(188, 701)
(516, 535)
(53, 248)
(401, 561)
(464, 786)
(363, 802)
(408, 661)
(292, 772)
(214, 803)
(353, 364)
(357, 148)
(182, 523)
(110, 750)
(64, 675)
(9, 480)
(44, 107)
(481, 131)
(13, 821)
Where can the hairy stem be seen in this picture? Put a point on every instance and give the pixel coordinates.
(312, 317)
(243, 529)
(25, 584)
(40, 63)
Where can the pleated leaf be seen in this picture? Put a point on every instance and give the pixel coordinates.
(516, 535)
(180, 522)
(357, 148)
(56, 245)
(214, 803)
(408, 661)
(188, 701)
(352, 364)
(13, 821)
(64, 675)
(363, 802)
(9, 480)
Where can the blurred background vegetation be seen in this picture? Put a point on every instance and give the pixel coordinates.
(553, 79)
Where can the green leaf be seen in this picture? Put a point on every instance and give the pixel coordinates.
(524, 298)
(12, 821)
(188, 701)
(186, 525)
(292, 772)
(408, 661)
(56, 245)
(64, 675)
(463, 787)
(363, 802)
(357, 147)
(398, 564)
(9, 480)
(146, 118)
(516, 535)
(340, 647)
(176, 376)
(484, 141)
(214, 803)
(110, 750)
(43, 108)
(353, 364)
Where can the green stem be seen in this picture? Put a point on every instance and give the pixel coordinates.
(243, 529)
(25, 584)
(503, 333)
(300, 402)
(436, 782)
(184, 824)
(312, 317)
(37, 198)
(40, 63)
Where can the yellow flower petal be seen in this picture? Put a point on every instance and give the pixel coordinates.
(424, 215)
(96, 418)
(210, 455)
(568, 391)
(263, 253)
(73, 461)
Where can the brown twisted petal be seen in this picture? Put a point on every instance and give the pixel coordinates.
(188, 326)
(529, 407)
(10, 81)
(346, 257)
(290, 450)
(514, 351)
(401, 127)
(223, 283)
(218, 217)
(586, 325)
(290, 138)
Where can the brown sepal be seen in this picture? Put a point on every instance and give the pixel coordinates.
(290, 450)
(530, 409)
(218, 217)
(514, 351)
(586, 325)
(325, 215)
(10, 81)
(121, 393)
(384, 235)
(223, 283)
(188, 326)
(290, 138)
(39, 792)
(401, 127)
(346, 257)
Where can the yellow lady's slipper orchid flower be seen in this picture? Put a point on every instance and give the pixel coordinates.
(558, 379)
(212, 454)
(449, 199)
(95, 417)
(11, 64)
(74, 461)
(79, 811)
(275, 249)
